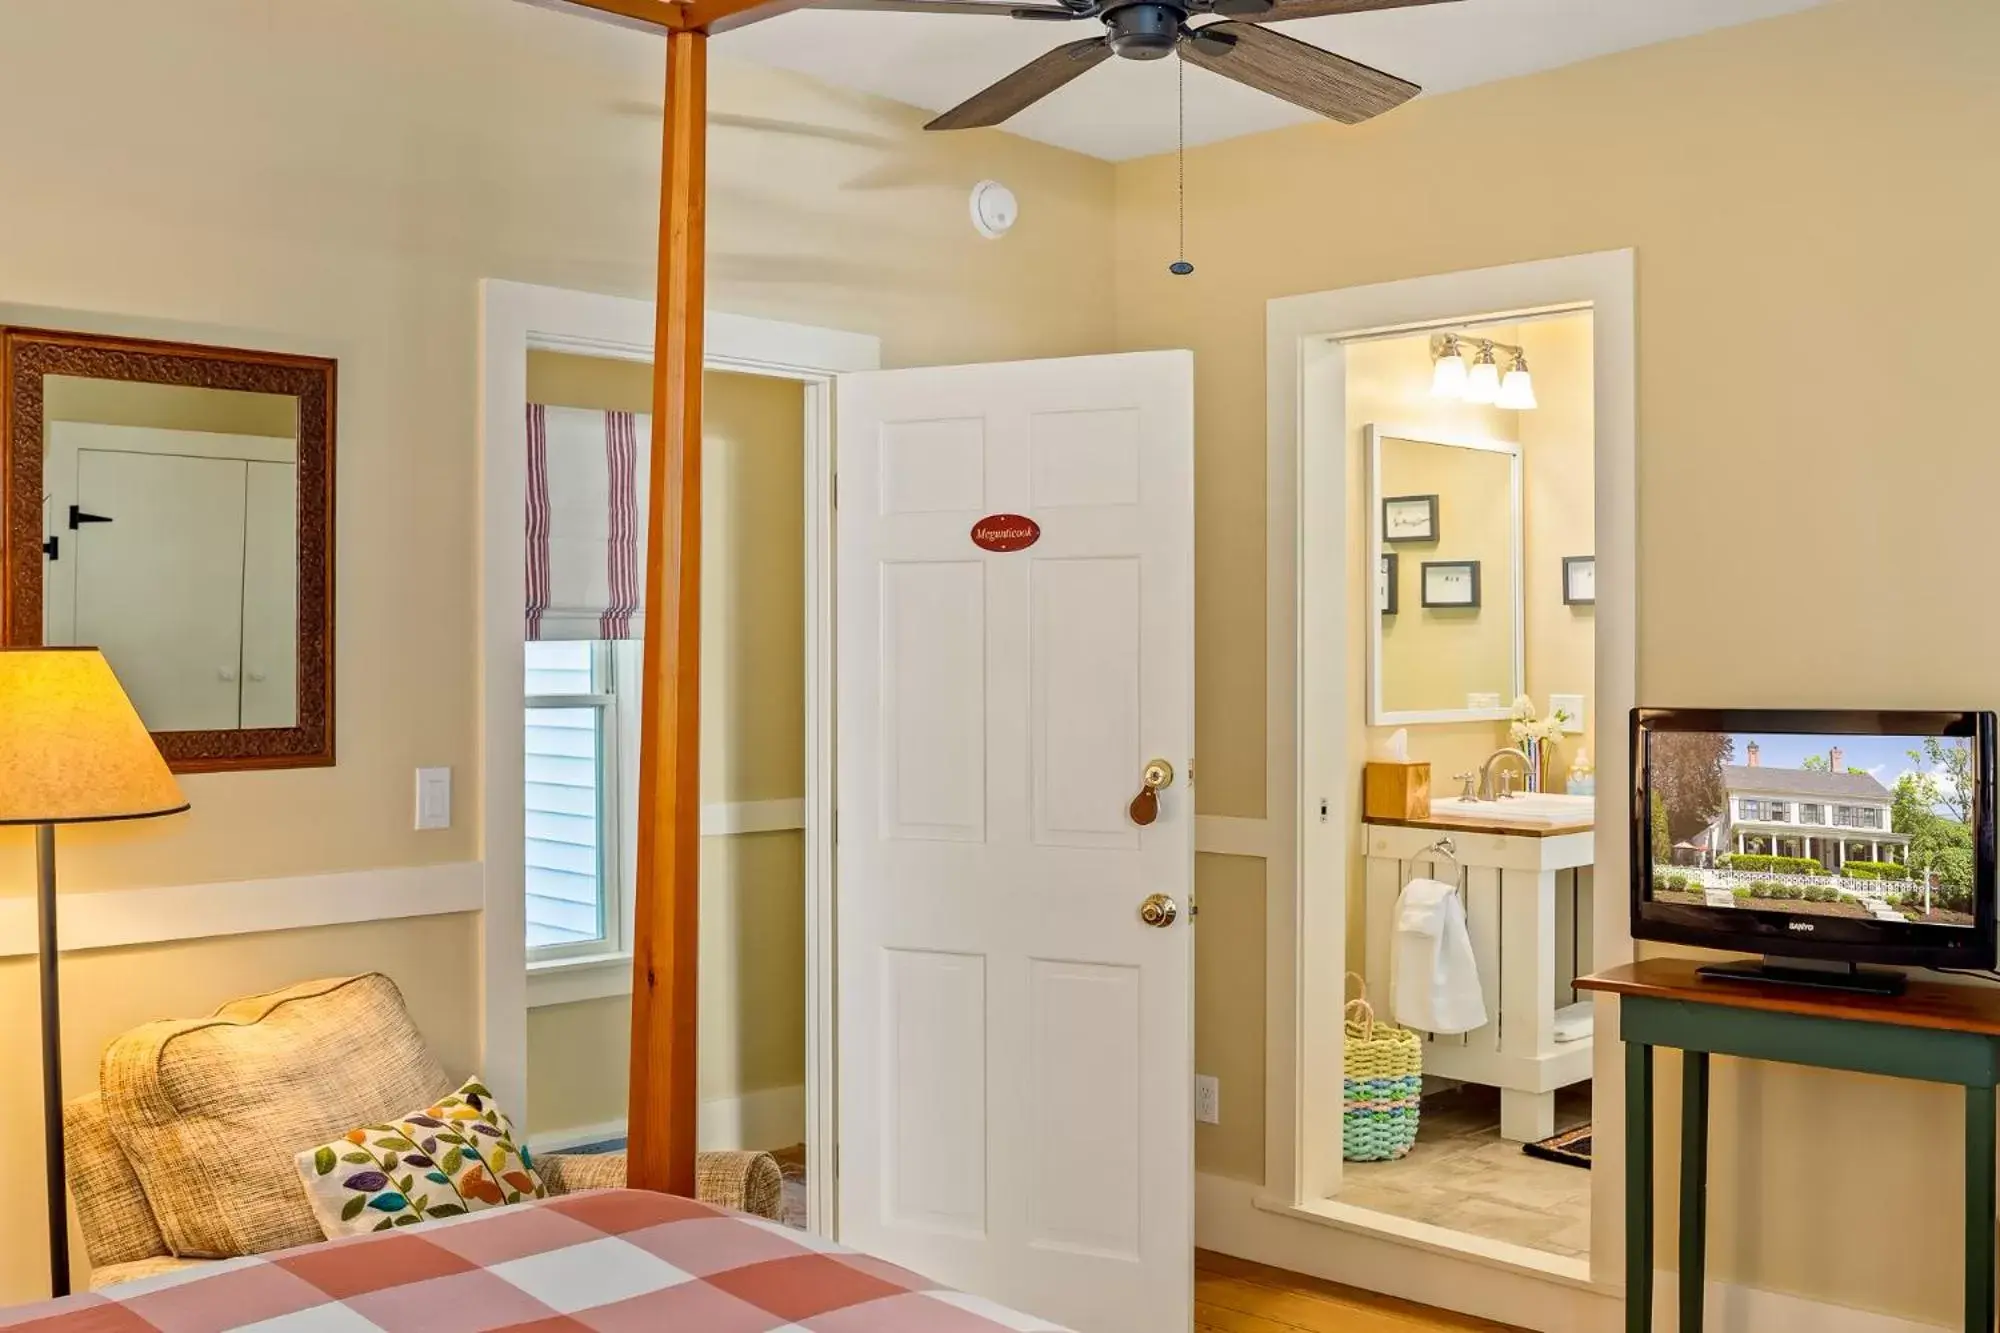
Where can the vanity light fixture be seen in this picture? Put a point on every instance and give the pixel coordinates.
(1481, 382)
(1517, 389)
(1448, 369)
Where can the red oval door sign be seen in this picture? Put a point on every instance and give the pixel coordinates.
(1006, 532)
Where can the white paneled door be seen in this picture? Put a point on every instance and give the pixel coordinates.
(1016, 644)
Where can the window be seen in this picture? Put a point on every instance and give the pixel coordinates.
(571, 800)
(1780, 812)
(1749, 809)
(1871, 817)
(1812, 814)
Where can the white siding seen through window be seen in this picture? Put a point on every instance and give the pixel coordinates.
(571, 867)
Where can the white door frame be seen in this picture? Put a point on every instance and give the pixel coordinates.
(1309, 523)
(514, 318)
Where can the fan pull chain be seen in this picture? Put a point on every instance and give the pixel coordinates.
(1180, 268)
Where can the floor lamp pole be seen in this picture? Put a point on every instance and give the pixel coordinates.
(52, 1094)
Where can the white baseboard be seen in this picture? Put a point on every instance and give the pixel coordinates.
(116, 918)
(562, 1140)
(1731, 1309)
(766, 1119)
(1230, 1219)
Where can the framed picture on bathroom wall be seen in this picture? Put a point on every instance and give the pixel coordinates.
(1385, 585)
(1409, 518)
(1450, 585)
(1579, 580)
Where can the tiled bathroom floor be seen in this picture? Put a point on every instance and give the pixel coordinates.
(1463, 1175)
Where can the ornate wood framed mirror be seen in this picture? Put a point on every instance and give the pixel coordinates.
(172, 504)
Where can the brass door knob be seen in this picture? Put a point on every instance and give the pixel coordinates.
(1159, 911)
(1145, 807)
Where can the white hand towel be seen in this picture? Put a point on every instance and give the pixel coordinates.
(1434, 981)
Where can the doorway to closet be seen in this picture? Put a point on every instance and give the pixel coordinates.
(588, 435)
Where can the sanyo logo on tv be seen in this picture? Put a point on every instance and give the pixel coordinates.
(1805, 926)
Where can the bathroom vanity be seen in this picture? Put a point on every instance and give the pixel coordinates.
(1523, 867)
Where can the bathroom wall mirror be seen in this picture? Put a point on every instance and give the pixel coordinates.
(1446, 636)
(172, 504)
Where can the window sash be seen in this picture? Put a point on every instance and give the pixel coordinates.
(603, 703)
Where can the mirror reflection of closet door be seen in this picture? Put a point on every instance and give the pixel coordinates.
(159, 587)
(271, 596)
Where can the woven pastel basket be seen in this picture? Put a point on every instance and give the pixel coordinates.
(1384, 1083)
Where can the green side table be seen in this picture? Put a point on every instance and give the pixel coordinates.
(1934, 1032)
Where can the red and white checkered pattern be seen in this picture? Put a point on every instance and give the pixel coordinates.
(614, 1261)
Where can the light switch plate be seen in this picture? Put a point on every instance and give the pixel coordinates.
(1571, 704)
(1208, 1099)
(433, 798)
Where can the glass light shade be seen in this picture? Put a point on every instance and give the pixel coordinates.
(72, 747)
(1448, 377)
(1517, 391)
(1482, 382)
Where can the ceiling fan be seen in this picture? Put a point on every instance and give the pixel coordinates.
(1235, 47)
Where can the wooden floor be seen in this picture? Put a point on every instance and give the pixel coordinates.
(1237, 1296)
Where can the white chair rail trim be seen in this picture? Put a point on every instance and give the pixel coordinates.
(114, 918)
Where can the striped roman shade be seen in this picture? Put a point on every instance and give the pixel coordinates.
(586, 517)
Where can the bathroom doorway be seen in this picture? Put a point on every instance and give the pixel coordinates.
(1455, 452)
(1475, 443)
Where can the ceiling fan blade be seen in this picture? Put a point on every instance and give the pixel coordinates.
(1030, 10)
(1293, 71)
(1278, 12)
(1025, 86)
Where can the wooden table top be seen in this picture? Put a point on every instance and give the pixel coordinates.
(1927, 1004)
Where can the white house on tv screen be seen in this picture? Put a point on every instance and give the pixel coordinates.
(1831, 816)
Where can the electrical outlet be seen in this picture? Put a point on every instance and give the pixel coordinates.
(433, 798)
(1208, 1099)
(1571, 706)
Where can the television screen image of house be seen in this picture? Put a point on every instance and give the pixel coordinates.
(1869, 827)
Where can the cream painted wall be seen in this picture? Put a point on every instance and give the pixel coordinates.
(107, 991)
(169, 407)
(1771, 210)
(753, 749)
(1558, 473)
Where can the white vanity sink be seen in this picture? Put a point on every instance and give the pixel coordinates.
(1543, 809)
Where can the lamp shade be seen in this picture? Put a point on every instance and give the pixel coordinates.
(72, 747)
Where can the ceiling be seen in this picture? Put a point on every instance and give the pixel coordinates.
(1125, 108)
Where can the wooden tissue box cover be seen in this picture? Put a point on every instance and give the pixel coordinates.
(1396, 791)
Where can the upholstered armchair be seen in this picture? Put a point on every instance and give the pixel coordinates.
(185, 1154)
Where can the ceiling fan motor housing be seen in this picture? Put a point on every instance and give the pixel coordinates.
(1144, 31)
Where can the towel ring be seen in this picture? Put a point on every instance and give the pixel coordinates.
(1448, 850)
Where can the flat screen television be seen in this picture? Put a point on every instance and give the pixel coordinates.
(1821, 840)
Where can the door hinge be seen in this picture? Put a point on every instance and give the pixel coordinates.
(52, 548)
(77, 518)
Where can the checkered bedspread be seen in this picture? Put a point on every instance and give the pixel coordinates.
(615, 1261)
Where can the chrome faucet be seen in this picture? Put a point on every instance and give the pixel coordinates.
(1486, 770)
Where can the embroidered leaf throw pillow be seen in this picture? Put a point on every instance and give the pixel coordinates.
(456, 1157)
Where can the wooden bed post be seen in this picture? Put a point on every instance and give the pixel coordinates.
(662, 1109)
